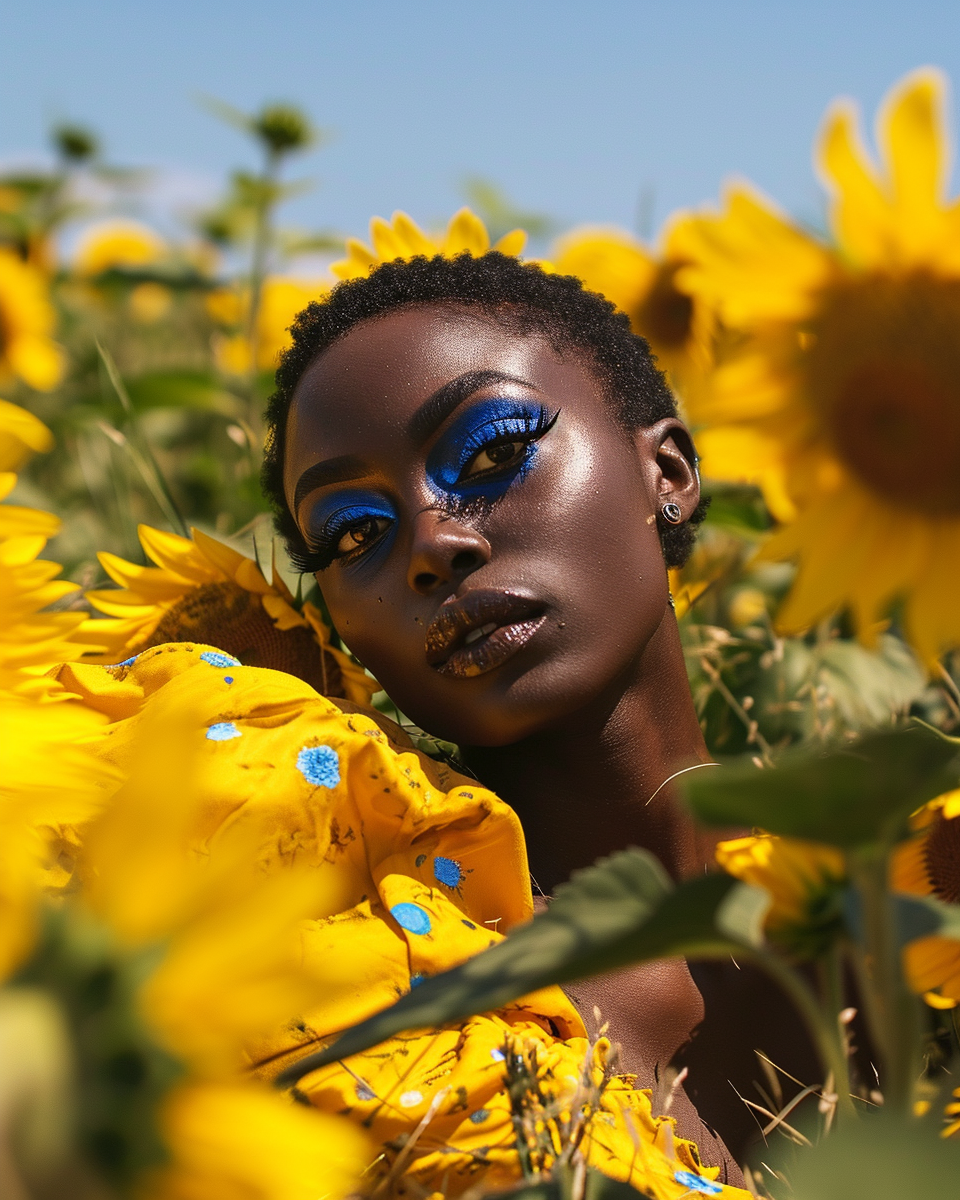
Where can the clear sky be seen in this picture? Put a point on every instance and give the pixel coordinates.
(575, 107)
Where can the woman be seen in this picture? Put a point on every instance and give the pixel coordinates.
(485, 472)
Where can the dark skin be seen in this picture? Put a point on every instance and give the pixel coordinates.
(580, 726)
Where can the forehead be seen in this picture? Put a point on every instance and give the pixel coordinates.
(374, 378)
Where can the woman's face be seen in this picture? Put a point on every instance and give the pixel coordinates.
(484, 530)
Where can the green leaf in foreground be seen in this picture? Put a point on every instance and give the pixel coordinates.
(622, 910)
(847, 796)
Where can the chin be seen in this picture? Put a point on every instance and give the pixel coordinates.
(504, 710)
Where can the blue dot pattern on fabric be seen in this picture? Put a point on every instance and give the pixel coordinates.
(411, 917)
(319, 765)
(126, 663)
(365, 1092)
(228, 679)
(447, 871)
(498, 1056)
(416, 979)
(480, 1116)
(216, 659)
(223, 731)
(697, 1183)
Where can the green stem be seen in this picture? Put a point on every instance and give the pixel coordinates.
(262, 236)
(832, 1003)
(823, 1030)
(891, 1010)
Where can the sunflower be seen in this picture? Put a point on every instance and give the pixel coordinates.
(27, 319)
(117, 244)
(839, 393)
(402, 238)
(804, 881)
(280, 301)
(203, 591)
(643, 283)
(929, 865)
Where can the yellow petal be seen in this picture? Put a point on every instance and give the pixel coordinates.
(466, 233)
(860, 212)
(912, 139)
(178, 554)
(512, 243)
(21, 434)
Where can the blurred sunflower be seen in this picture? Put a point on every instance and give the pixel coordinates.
(280, 301)
(27, 320)
(842, 399)
(230, 1141)
(31, 639)
(203, 591)
(929, 865)
(643, 283)
(804, 880)
(126, 244)
(117, 244)
(402, 238)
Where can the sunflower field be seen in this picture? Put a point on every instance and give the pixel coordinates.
(819, 369)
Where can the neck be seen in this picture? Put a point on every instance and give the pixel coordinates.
(586, 789)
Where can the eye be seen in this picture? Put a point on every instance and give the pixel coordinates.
(496, 456)
(361, 533)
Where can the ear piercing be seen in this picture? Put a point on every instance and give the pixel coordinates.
(672, 513)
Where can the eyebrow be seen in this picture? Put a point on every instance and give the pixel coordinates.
(331, 470)
(428, 417)
(436, 408)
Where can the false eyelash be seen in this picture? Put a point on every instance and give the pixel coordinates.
(310, 561)
(529, 435)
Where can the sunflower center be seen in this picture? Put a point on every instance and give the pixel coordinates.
(232, 619)
(941, 854)
(883, 367)
(665, 314)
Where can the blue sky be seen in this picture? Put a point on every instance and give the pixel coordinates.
(574, 108)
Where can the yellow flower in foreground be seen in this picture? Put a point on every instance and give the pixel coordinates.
(280, 301)
(929, 864)
(117, 244)
(21, 435)
(643, 283)
(46, 781)
(247, 1143)
(204, 591)
(27, 320)
(843, 398)
(803, 879)
(402, 238)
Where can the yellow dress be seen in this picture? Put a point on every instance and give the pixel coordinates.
(430, 869)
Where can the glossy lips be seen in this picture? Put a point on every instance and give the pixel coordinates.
(480, 631)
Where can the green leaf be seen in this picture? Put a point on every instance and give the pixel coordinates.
(622, 910)
(846, 796)
(562, 1185)
(881, 1157)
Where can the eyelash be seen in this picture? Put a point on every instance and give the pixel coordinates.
(524, 432)
(323, 554)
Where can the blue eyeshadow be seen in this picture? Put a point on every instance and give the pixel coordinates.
(332, 515)
(481, 424)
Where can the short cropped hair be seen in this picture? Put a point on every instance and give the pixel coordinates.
(521, 296)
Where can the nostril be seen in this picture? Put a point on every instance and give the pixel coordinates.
(466, 560)
(426, 581)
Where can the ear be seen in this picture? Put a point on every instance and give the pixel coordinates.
(670, 462)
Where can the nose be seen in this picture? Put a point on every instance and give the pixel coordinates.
(444, 552)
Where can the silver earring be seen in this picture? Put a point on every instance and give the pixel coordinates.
(672, 513)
